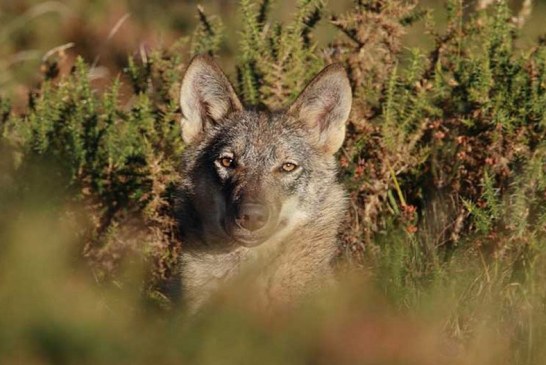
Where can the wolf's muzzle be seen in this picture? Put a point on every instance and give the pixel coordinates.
(252, 216)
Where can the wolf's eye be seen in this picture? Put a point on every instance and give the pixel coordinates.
(226, 162)
(288, 166)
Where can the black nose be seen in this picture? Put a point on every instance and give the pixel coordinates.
(252, 216)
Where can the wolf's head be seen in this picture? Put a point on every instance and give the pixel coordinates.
(250, 176)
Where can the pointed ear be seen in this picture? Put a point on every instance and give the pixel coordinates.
(206, 96)
(324, 106)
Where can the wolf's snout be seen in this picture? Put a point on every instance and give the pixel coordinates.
(252, 216)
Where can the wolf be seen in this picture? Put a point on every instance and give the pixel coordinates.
(259, 188)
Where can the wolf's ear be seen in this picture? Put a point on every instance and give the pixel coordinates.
(206, 96)
(324, 106)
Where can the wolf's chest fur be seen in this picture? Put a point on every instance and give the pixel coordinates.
(259, 192)
(281, 271)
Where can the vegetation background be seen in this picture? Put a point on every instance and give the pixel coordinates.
(442, 253)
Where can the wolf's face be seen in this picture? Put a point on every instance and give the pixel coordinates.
(254, 176)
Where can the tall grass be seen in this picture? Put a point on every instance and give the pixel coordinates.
(467, 312)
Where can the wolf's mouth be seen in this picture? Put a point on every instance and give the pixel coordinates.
(245, 237)
(248, 238)
(252, 242)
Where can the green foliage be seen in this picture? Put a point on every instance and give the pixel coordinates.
(277, 59)
(207, 37)
(118, 161)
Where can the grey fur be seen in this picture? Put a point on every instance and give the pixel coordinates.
(296, 244)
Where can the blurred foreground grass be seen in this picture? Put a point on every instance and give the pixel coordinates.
(469, 311)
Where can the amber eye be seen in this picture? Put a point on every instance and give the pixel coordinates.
(227, 162)
(288, 166)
